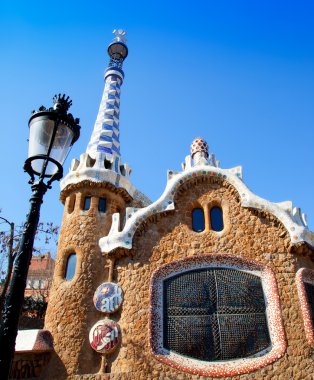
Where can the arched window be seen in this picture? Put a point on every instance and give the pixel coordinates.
(215, 314)
(198, 220)
(208, 311)
(87, 201)
(102, 205)
(70, 267)
(216, 219)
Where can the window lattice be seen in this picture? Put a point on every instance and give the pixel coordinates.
(215, 314)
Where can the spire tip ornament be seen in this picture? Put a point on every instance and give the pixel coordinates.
(120, 33)
(118, 50)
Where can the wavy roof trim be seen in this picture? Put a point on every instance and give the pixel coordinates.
(292, 219)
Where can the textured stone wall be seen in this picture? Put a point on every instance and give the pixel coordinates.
(28, 365)
(71, 312)
(248, 233)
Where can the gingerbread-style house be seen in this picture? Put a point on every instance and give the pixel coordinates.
(208, 281)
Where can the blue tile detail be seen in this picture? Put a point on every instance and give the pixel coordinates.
(117, 180)
(103, 149)
(107, 126)
(105, 138)
(115, 137)
(115, 149)
(116, 163)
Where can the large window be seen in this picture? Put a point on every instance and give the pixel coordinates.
(215, 314)
(209, 311)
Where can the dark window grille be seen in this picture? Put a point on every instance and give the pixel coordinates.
(215, 314)
(309, 290)
(198, 220)
(102, 205)
(216, 219)
(70, 267)
(87, 201)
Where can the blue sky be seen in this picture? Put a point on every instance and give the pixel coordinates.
(238, 73)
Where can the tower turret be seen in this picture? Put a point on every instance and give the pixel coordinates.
(96, 187)
(105, 137)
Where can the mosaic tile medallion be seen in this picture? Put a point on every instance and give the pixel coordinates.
(104, 336)
(108, 297)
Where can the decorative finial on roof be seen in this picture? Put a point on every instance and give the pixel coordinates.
(199, 145)
(120, 33)
(199, 155)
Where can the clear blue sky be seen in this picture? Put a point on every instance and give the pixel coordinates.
(238, 73)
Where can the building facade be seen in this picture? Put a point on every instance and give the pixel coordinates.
(209, 281)
(39, 276)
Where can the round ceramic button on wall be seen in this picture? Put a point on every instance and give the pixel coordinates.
(104, 336)
(108, 297)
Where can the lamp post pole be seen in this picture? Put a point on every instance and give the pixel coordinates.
(51, 137)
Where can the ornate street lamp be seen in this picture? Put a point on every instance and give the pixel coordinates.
(52, 132)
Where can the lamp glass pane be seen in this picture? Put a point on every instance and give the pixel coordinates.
(40, 135)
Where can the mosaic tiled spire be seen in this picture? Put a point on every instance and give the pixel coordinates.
(105, 136)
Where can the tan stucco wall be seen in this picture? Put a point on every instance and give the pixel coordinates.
(253, 236)
(248, 233)
(71, 311)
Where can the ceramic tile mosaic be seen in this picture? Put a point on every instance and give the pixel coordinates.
(306, 275)
(224, 368)
(102, 160)
(199, 145)
(105, 136)
(296, 227)
(104, 336)
(33, 340)
(108, 297)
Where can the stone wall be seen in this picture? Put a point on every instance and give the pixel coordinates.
(248, 233)
(71, 311)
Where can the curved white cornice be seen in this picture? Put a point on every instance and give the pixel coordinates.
(99, 169)
(291, 219)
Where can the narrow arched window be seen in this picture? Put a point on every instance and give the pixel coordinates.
(198, 220)
(70, 267)
(216, 219)
(102, 205)
(87, 201)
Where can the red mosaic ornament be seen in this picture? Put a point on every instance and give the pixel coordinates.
(199, 145)
(104, 336)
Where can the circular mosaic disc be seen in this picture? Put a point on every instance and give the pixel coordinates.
(104, 336)
(108, 297)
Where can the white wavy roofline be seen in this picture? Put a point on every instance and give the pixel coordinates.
(291, 219)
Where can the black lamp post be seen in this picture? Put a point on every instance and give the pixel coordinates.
(52, 132)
